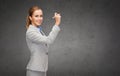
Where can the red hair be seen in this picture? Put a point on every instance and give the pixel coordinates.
(30, 13)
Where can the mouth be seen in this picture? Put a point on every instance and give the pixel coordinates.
(39, 21)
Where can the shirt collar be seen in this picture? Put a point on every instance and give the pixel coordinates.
(40, 28)
(37, 28)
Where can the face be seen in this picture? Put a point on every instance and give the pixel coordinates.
(37, 18)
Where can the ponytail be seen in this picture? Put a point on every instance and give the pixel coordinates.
(28, 22)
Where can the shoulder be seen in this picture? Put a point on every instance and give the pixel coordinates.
(32, 28)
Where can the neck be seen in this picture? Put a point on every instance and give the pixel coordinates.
(36, 25)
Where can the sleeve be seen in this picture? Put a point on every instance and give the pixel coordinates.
(38, 38)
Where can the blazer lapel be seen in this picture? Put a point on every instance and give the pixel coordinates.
(40, 29)
(42, 32)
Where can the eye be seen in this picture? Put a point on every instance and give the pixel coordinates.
(41, 15)
(36, 15)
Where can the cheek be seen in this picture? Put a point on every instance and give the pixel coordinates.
(41, 18)
(37, 19)
(33, 19)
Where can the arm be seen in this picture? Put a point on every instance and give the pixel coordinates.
(38, 38)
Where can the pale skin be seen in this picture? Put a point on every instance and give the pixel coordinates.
(37, 18)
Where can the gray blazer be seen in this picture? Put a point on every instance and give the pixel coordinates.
(38, 45)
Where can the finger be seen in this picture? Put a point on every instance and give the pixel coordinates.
(55, 13)
(59, 15)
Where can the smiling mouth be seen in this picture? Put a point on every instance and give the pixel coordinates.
(39, 21)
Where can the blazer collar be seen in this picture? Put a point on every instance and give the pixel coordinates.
(34, 27)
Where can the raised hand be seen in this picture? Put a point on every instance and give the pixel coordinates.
(57, 18)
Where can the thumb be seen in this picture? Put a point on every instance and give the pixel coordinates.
(54, 15)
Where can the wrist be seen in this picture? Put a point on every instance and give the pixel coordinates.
(57, 24)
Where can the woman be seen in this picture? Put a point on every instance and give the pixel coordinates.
(38, 42)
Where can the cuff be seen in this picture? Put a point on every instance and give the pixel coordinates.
(56, 27)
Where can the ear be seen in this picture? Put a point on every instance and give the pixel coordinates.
(30, 18)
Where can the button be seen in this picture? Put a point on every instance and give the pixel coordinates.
(47, 53)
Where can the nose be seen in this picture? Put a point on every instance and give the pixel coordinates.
(40, 18)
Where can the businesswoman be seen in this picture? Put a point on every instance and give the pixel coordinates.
(38, 42)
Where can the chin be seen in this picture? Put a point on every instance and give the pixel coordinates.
(38, 24)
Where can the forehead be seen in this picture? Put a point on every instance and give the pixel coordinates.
(38, 12)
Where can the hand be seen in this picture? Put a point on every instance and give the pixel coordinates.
(57, 18)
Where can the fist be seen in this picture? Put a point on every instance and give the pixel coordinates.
(57, 18)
